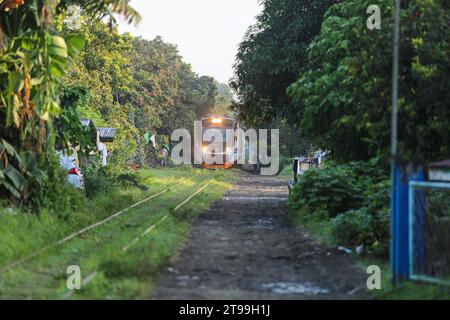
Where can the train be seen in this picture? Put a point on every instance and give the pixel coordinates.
(219, 153)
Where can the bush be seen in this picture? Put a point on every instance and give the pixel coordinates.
(128, 178)
(358, 227)
(98, 180)
(335, 188)
(350, 202)
(104, 179)
(351, 228)
(370, 222)
(96, 184)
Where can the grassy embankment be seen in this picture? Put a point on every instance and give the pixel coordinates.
(119, 274)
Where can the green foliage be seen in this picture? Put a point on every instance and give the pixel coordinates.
(224, 99)
(34, 56)
(369, 224)
(351, 228)
(10, 163)
(334, 189)
(129, 178)
(102, 180)
(98, 180)
(69, 130)
(272, 55)
(349, 204)
(344, 93)
(21, 176)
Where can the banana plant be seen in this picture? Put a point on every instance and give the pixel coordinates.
(33, 59)
(10, 176)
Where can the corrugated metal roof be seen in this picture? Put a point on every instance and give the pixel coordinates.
(106, 133)
(85, 122)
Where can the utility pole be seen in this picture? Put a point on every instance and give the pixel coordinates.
(395, 73)
(394, 140)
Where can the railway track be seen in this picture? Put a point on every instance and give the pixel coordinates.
(147, 231)
(48, 276)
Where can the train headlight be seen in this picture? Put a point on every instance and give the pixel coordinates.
(205, 148)
(216, 120)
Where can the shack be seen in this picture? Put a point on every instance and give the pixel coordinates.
(100, 136)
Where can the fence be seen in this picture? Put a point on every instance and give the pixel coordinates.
(420, 227)
(429, 231)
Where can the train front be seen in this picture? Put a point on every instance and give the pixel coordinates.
(218, 144)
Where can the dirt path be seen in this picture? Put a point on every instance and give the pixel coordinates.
(244, 247)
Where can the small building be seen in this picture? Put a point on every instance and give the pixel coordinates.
(100, 136)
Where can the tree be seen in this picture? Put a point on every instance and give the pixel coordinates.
(104, 71)
(271, 57)
(224, 99)
(165, 92)
(346, 90)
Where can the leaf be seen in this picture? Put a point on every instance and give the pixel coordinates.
(15, 177)
(29, 161)
(3, 68)
(31, 166)
(27, 44)
(75, 42)
(45, 116)
(15, 82)
(36, 81)
(56, 70)
(57, 47)
(54, 108)
(11, 189)
(10, 149)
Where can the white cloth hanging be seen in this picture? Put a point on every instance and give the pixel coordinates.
(101, 147)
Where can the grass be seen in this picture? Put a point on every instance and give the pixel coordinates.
(317, 225)
(130, 274)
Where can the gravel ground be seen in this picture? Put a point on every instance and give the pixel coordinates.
(245, 247)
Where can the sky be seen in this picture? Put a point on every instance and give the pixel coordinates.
(207, 32)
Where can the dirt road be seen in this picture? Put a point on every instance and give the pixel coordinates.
(244, 247)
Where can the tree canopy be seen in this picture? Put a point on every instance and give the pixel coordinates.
(271, 57)
(138, 86)
(346, 89)
(316, 65)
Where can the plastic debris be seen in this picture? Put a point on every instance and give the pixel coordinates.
(360, 249)
(344, 249)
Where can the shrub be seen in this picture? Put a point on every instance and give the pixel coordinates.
(104, 179)
(350, 202)
(335, 188)
(128, 178)
(351, 228)
(98, 180)
(96, 184)
(368, 225)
